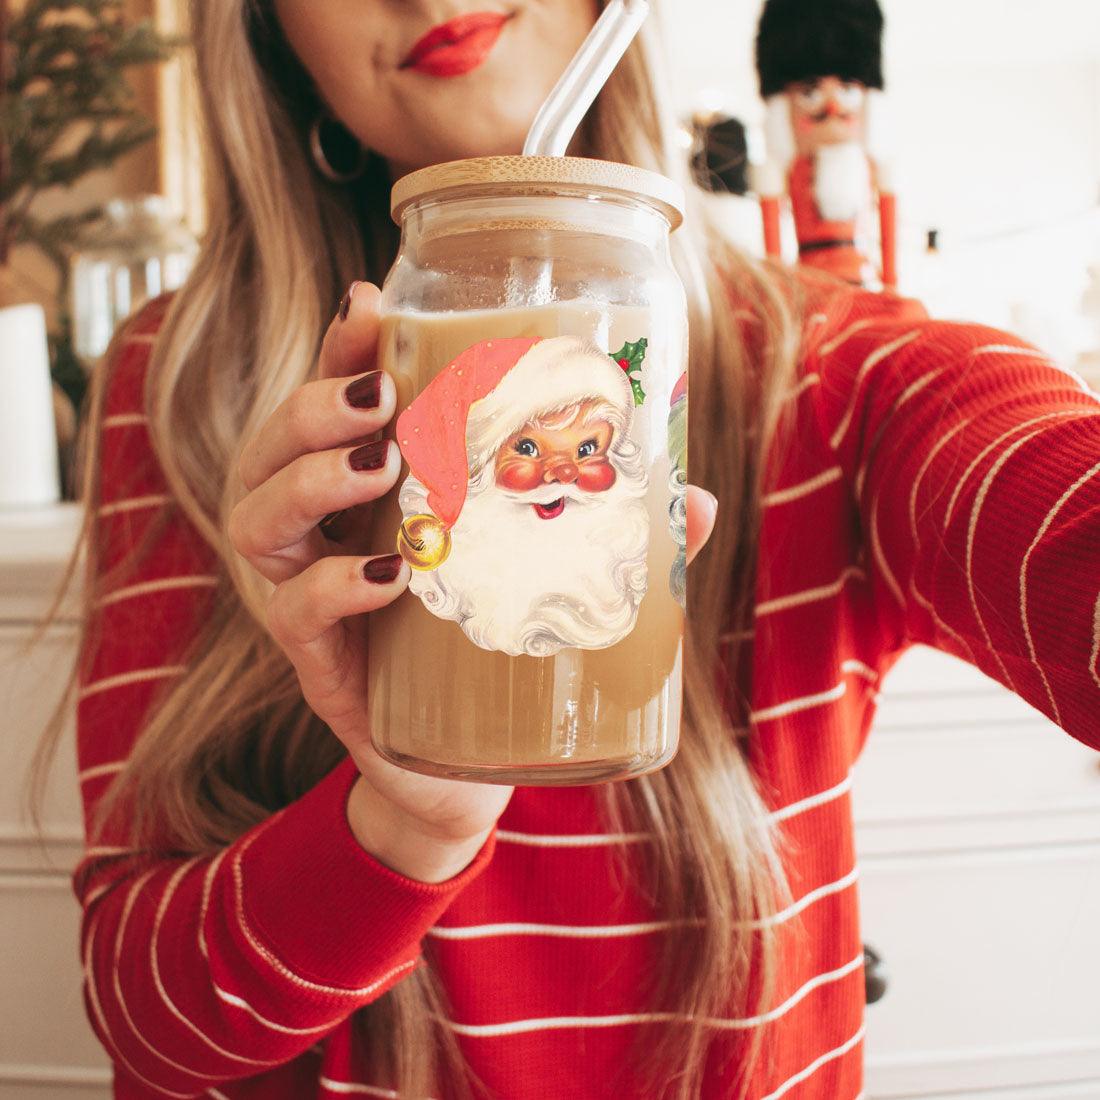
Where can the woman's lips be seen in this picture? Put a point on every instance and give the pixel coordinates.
(458, 46)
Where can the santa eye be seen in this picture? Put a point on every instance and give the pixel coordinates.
(587, 448)
(528, 448)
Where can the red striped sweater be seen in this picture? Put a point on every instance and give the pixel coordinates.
(941, 484)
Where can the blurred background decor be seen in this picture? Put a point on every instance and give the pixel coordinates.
(69, 111)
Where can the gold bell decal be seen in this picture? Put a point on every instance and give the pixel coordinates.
(424, 542)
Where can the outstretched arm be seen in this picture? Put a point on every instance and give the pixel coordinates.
(973, 464)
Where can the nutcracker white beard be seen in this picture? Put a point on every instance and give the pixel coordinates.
(842, 181)
(518, 583)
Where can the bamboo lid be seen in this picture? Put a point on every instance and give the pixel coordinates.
(542, 176)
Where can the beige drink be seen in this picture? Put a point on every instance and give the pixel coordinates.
(446, 696)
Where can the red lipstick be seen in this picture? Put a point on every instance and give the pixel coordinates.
(458, 46)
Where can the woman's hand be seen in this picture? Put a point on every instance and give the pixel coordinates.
(316, 455)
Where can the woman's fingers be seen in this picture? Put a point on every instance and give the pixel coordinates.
(305, 611)
(316, 417)
(702, 510)
(351, 343)
(274, 526)
(336, 409)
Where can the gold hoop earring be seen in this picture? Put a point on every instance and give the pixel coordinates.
(322, 159)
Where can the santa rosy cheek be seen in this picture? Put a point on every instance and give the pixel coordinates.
(519, 476)
(596, 477)
(804, 124)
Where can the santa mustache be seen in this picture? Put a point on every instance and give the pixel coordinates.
(548, 494)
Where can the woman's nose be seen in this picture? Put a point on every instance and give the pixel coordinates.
(560, 469)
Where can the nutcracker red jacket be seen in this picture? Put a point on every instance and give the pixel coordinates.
(944, 489)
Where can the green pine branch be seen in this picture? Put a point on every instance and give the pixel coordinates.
(66, 110)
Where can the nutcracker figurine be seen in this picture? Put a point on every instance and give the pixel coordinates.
(820, 69)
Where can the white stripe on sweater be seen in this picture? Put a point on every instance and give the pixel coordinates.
(1087, 476)
(1094, 657)
(816, 1064)
(275, 963)
(100, 770)
(879, 355)
(804, 386)
(1002, 438)
(803, 489)
(615, 931)
(230, 998)
(819, 799)
(940, 444)
(860, 669)
(556, 1023)
(580, 840)
(97, 1010)
(975, 514)
(804, 702)
(1039, 357)
(124, 420)
(133, 504)
(167, 1001)
(353, 1088)
(910, 391)
(809, 595)
(120, 935)
(923, 600)
(846, 335)
(125, 679)
(592, 840)
(879, 555)
(164, 584)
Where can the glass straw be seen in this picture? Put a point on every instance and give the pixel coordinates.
(587, 73)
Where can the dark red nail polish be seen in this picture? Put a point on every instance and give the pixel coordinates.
(365, 392)
(382, 570)
(345, 302)
(371, 456)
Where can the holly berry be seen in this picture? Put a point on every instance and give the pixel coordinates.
(630, 358)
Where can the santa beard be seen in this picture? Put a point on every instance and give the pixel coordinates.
(521, 584)
(842, 181)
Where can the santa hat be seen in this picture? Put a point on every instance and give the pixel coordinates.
(480, 399)
(806, 39)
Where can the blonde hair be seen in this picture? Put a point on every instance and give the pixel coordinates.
(232, 739)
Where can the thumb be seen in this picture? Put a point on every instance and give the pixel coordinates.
(702, 510)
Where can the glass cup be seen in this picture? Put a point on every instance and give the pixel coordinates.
(537, 333)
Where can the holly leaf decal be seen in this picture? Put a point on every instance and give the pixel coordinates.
(630, 357)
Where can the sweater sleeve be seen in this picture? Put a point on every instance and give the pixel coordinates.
(973, 468)
(202, 970)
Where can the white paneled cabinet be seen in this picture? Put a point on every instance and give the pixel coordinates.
(978, 831)
(978, 827)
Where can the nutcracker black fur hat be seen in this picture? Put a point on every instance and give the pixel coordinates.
(804, 39)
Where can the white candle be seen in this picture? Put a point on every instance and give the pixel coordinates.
(28, 436)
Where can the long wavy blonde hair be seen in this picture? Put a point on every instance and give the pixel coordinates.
(232, 740)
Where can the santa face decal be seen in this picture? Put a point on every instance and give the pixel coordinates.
(569, 448)
(539, 542)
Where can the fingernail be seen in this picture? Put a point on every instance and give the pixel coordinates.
(345, 302)
(371, 456)
(382, 570)
(365, 392)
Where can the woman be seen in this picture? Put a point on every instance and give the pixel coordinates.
(272, 911)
